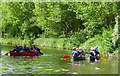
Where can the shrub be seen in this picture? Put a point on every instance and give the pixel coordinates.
(104, 42)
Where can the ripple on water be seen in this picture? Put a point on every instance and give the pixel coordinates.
(47, 55)
(64, 70)
(40, 67)
(24, 61)
(48, 69)
(10, 68)
(56, 70)
(74, 73)
(69, 63)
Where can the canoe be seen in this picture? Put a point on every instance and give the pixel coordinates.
(78, 58)
(23, 54)
(92, 58)
(98, 57)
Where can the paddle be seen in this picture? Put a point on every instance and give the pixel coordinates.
(67, 56)
(106, 57)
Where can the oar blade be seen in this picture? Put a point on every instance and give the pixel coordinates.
(67, 56)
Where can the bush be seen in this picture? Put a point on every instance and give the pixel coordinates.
(104, 42)
(60, 43)
(14, 41)
(54, 42)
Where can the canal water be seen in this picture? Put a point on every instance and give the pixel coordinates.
(52, 62)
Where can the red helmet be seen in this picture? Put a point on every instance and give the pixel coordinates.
(26, 47)
(74, 48)
(15, 46)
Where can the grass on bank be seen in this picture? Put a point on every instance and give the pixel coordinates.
(104, 42)
(13, 41)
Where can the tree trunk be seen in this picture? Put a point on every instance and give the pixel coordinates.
(66, 29)
(118, 42)
(116, 33)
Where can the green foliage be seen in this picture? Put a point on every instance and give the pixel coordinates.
(54, 42)
(55, 19)
(14, 41)
(104, 42)
(19, 20)
(107, 40)
(61, 24)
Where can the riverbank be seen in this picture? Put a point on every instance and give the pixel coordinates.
(104, 46)
(13, 41)
(63, 43)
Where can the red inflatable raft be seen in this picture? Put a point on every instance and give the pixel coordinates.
(23, 54)
(15, 53)
(30, 54)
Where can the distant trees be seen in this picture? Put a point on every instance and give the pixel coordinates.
(58, 19)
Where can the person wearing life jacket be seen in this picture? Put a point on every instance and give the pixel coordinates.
(35, 48)
(38, 50)
(74, 49)
(15, 48)
(32, 47)
(92, 54)
(82, 53)
(25, 49)
(97, 54)
(77, 53)
(20, 48)
(28, 50)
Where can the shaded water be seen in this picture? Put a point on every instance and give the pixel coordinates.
(52, 62)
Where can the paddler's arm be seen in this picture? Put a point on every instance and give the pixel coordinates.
(95, 48)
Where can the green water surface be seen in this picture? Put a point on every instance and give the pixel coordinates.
(52, 62)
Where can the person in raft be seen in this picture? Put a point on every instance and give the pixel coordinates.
(20, 48)
(97, 54)
(38, 50)
(26, 49)
(92, 55)
(33, 48)
(82, 53)
(15, 48)
(76, 53)
(73, 52)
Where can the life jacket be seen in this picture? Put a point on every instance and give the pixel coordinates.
(26, 47)
(32, 48)
(73, 52)
(21, 48)
(77, 52)
(34, 51)
(81, 51)
(35, 48)
(92, 53)
(96, 53)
